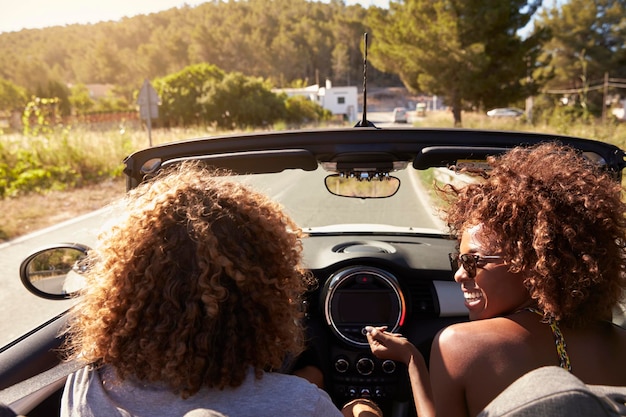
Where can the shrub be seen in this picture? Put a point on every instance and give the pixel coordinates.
(300, 110)
(239, 101)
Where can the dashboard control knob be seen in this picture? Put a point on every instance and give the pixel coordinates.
(365, 393)
(351, 392)
(341, 365)
(365, 366)
(389, 366)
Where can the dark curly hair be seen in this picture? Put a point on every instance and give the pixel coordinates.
(201, 281)
(558, 219)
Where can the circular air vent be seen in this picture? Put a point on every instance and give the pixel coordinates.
(364, 247)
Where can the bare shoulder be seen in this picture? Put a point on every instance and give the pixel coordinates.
(462, 354)
(467, 347)
(465, 353)
(488, 331)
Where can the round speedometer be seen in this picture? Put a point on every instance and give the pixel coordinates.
(361, 296)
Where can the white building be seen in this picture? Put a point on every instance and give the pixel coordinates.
(341, 101)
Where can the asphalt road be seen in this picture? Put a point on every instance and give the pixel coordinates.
(19, 309)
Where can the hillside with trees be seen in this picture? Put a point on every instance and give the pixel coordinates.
(288, 42)
(469, 52)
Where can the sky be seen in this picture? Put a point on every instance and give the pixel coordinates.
(31, 14)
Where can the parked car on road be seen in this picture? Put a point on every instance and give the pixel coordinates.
(400, 115)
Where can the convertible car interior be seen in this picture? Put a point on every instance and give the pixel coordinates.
(375, 265)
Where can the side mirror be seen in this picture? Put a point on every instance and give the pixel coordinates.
(378, 187)
(55, 272)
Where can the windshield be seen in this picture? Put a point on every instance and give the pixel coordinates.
(308, 202)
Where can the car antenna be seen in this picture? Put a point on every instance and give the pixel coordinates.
(364, 122)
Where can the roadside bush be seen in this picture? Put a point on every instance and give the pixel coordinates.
(239, 101)
(42, 179)
(564, 118)
(300, 110)
(62, 159)
(41, 115)
(58, 91)
(181, 94)
(23, 171)
(80, 99)
(12, 96)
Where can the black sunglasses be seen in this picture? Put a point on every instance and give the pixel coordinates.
(470, 262)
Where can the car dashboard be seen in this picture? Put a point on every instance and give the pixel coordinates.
(401, 281)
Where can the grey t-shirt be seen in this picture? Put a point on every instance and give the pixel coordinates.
(98, 393)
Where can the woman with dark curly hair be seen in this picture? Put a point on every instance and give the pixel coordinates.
(192, 303)
(541, 266)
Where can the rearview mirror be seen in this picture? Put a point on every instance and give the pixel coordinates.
(55, 272)
(378, 187)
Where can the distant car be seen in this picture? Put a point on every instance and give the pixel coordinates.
(505, 112)
(400, 115)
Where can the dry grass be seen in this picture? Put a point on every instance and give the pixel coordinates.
(97, 151)
(26, 214)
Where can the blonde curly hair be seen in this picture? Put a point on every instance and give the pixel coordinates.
(558, 219)
(201, 281)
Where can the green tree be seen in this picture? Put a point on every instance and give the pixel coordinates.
(55, 89)
(588, 41)
(341, 62)
(181, 92)
(466, 51)
(240, 101)
(301, 110)
(278, 40)
(112, 103)
(80, 99)
(12, 97)
(107, 64)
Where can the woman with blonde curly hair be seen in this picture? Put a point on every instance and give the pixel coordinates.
(542, 264)
(192, 303)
